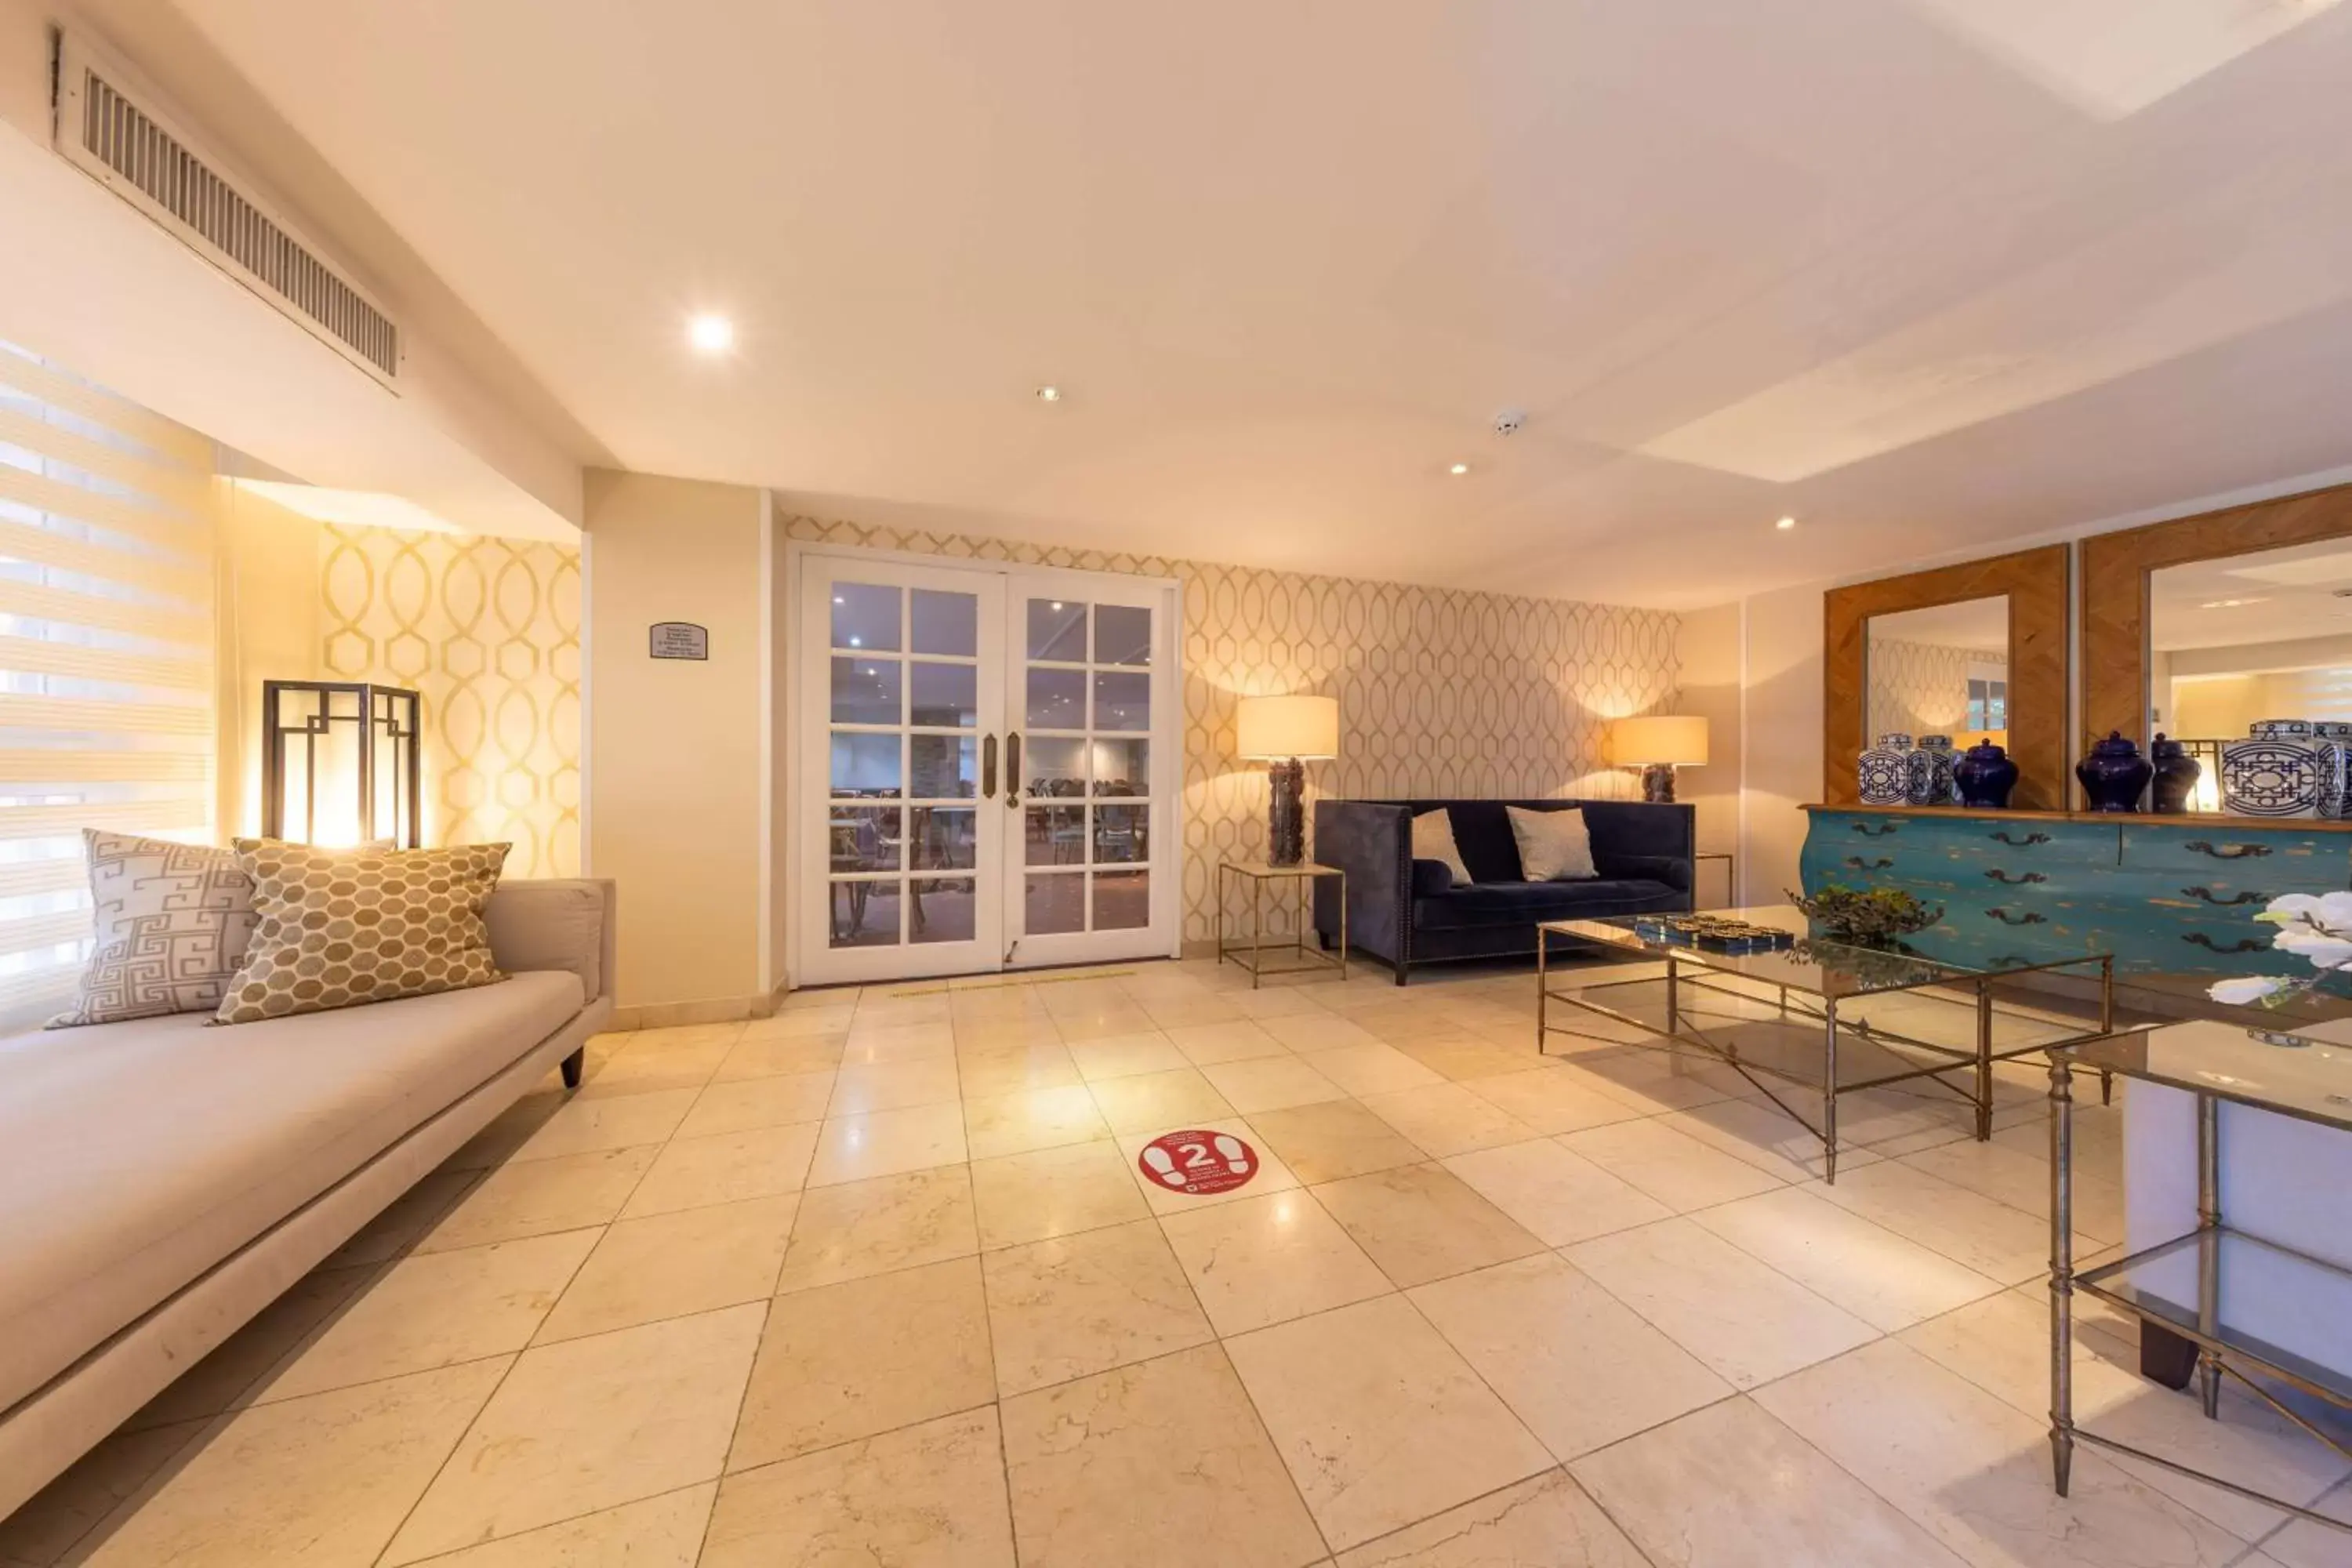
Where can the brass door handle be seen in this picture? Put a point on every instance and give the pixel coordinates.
(1013, 771)
(988, 767)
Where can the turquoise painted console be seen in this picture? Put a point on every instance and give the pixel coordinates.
(2165, 894)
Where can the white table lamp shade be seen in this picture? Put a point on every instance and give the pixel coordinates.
(1283, 727)
(1676, 738)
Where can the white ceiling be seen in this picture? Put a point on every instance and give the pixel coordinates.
(1928, 276)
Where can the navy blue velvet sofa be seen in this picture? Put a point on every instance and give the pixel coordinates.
(1408, 912)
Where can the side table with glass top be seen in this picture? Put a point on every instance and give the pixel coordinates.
(2267, 1314)
(1252, 956)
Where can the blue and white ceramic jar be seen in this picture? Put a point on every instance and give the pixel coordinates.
(1886, 770)
(2331, 746)
(2275, 771)
(1927, 774)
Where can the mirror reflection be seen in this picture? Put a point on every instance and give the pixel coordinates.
(1942, 670)
(2251, 670)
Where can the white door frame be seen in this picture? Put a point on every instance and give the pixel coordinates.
(1166, 761)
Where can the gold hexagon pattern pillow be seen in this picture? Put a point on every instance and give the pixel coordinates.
(341, 926)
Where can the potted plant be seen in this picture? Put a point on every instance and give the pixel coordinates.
(1865, 917)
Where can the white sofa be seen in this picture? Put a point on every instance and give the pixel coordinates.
(162, 1181)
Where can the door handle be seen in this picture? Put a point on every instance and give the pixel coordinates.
(1013, 769)
(988, 768)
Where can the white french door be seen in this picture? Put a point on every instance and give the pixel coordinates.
(987, 770)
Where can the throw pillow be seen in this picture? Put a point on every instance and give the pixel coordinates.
(1432, 839)
(341, 926)
(173, 920)
(1554, 846)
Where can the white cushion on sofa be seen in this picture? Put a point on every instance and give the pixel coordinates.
(135, 1156)
(1432, 839)
(1554, 846)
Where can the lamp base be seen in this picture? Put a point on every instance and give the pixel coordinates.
(1658, 783)
(1286, 822)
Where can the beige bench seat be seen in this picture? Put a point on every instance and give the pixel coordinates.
(141, 1153)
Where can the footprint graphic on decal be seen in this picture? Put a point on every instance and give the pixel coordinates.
(1236, 1157)
(1163, 1164)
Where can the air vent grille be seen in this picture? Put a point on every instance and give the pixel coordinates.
(118, 136)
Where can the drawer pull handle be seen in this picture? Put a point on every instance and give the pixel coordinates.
(2003, 876)
(1859, 864)
(2209, 896)
(1876, 829)
(2027, 842)
(2228, 851)
(2210, 945)
(2030, 918)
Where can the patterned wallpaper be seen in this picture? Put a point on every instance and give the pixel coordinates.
(1922, 688)
(1441, 692)
(488, 631)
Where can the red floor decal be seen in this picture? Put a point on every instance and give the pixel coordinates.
(1198, 1163)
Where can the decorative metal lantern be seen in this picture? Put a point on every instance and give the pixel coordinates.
(339, 762)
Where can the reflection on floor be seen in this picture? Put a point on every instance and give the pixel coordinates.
(881, 1281)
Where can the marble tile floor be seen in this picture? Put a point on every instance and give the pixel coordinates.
(878, 1281)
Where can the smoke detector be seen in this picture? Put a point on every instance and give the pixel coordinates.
(1509, 421)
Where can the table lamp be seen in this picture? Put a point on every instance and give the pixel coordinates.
(1283, 732)
(1657, 743)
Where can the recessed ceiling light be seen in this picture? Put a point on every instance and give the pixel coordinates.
(1049, 394)
(711, 334)
(1785, 524)
(2231, 603)
(1458, 469)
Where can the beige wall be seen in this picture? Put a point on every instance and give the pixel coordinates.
(1710, 654)
(677, 801)
(269, 630)
(1782, 709)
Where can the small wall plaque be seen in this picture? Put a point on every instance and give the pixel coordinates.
(680, 639)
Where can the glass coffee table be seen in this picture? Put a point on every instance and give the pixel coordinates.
(1812, 1021)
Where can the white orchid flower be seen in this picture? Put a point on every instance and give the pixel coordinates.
(2322, 949)
(2330, 910)
(2247, 990)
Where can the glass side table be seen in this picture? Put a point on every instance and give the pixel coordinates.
(1730, 876)
(1252, 956)
(2204, 1285)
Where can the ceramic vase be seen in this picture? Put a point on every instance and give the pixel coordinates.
(2114, 774)
(1984, 775)
(1886, 770)
(1927, 772)
(2332, 752)
(2273, 771)
(2177, 774)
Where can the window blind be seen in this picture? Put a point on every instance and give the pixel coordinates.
(106, 654)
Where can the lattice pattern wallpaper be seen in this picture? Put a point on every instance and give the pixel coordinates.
(488, 631)
(1922, 688)
(1441, 692)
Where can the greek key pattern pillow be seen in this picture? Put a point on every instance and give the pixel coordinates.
(171, 924)
(341, 926)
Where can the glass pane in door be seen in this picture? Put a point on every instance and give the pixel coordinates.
(1085, 692)
(1057, 631)
(1056, 765)
(905, 708)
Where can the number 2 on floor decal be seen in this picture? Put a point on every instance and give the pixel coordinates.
(1197, 1162)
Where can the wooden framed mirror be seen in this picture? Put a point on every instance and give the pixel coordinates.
(2024, 596)
(2143, 602)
